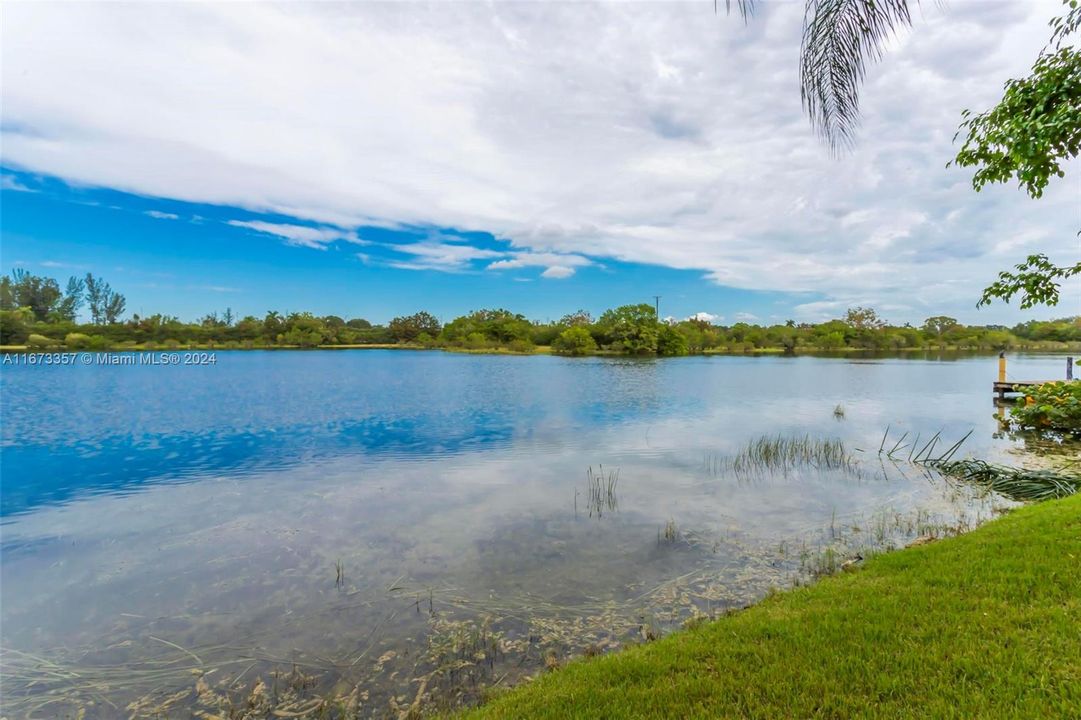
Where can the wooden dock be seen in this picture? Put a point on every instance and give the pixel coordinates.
(1004, 387)
(1014, 387)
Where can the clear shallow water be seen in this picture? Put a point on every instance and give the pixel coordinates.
(160, 519)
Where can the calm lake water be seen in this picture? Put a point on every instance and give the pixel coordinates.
(371, 517)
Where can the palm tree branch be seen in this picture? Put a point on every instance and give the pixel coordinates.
(840, 38)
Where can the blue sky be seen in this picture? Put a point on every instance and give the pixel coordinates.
(373, 159)
(190, 259)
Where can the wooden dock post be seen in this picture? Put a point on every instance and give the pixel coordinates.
(1002, 375)
(1069, 368)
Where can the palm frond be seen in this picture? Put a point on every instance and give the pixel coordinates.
(840, 37)
(744, 7)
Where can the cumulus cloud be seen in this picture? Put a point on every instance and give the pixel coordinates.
(652, 133)
(299, 235)
(706, 317)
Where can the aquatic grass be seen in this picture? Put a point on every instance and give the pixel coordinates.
(601, 489)
(839, 412)
(669, 533)
(777, 453)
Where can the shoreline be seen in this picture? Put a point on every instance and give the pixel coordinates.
(998, 607)
(547, 350)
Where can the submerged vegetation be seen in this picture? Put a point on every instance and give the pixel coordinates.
(998, 607)
(35, 313)
(461, 647)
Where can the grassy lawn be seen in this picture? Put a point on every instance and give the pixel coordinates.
(983, 625)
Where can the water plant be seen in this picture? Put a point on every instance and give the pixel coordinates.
(601, 491)
(668, 534)
(839, 412)
(1016, 483)
(776, 453)
(1050, 406)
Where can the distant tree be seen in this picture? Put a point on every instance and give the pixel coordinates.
(582, 317)
(861, 318)
(228, 318)
(939, 325)
(114, 306)
(273, 323)
(500, 327)
(74, 297)
(575, 340)
(631, 328)
(670, 341)
(94, 298)
(23, 289)
(303, 330)
(407, 328)
(359, 324)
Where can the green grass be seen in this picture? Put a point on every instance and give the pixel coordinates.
(987, 624)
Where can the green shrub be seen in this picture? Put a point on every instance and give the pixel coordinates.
(77, 341)
(475, 341)
(671, 341)
(574, 341)
(40, 341)
(1050, 406)
(521, 346)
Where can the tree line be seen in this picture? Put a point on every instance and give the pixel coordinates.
(35, 312)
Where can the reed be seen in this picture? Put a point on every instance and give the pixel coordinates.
(669, 534)
(601, 489)
(782, 454)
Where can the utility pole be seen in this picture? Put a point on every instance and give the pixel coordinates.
(657, 306)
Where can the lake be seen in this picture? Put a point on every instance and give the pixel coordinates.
(423, 524)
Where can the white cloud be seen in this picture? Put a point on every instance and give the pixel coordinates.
(706, 317)
(300, 235)
(746, 317)
(161, 215)
(558, 272)
(436, 255)
(56, 265)
(557, 266)
(653, 133)
(10, 182)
